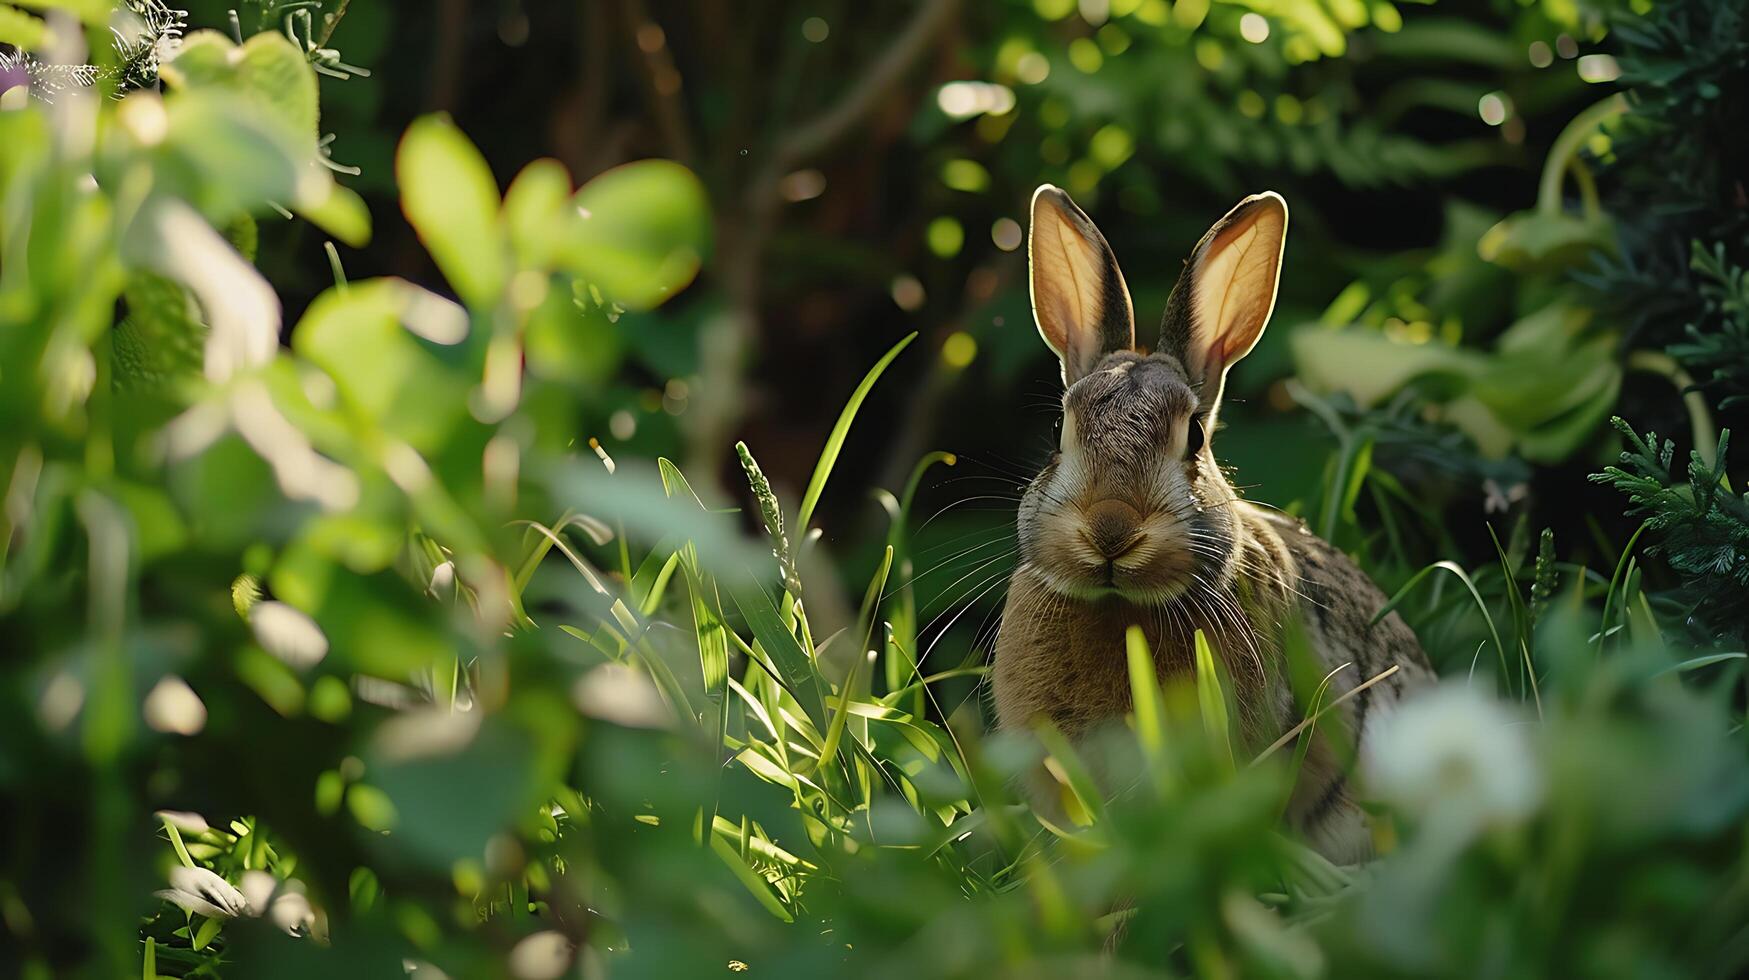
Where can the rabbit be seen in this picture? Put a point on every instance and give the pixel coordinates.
(1132, 522)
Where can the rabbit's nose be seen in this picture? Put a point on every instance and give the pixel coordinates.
(1113, 528)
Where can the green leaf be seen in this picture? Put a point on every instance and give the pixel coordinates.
(1145, 694)
(1533, 242)
(1076, 777)
(795, 670)
(840, 430)
(224, 155)
(639, 232)
(1464, 577)
(1212, 700)
(864, 629)
(337, 210)
(538, 211)
(756, 884)
(163, 339)
(451, 199)
(209, 930)
(94, 13)
(268, 69)
(381, 370)
(22, 31)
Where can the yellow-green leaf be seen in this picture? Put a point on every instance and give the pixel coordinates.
(450, 198)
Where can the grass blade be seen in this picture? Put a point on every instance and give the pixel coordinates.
(1145, 694)
(1464, 577)
(799, 674)
(835, 441)
(1213, 701)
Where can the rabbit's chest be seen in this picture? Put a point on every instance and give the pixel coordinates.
(1067, 661)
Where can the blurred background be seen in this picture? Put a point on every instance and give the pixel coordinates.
(448, 679)
(869, 167)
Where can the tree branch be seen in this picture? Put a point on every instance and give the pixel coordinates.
(661, 82)
(816, 135)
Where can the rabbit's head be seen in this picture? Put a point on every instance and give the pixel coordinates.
(1132, 503)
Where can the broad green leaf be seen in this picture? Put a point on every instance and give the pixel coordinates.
(337, 210)
(537, 212)
(21, 30)
(95, 13)
(268, 70)
(639, 232)
(1532, 242)
(220, 152)
(382, 372)
(162, 340)
(451, 199)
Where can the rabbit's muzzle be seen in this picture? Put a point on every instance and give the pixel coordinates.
(1112, 528)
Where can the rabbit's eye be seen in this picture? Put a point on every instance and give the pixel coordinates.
(1193, 437)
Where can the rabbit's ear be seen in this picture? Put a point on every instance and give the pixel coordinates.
(1078, 295)
(1223, 299)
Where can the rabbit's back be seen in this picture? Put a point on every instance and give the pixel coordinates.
(1336, 604)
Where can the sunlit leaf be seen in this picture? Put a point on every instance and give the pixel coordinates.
(451, 199)
(639, 232)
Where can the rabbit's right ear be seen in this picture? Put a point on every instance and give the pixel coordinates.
(1224, 297)
(1078, 295)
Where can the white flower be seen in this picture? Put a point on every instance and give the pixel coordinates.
(443, 580)
(292, 913)
(282, 902)
(288, 634)
(200, 891)
(173, 707)
(542, 956)
(1455, 756)
(425, 733)
(257, 887)
(622, 695)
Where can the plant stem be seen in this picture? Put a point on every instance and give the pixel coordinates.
(333, 21)
(1566, 146)
(1700, 418)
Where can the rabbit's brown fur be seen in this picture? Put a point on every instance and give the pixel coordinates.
(1133, 523)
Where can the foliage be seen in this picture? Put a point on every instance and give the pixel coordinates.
(1700, 527)
(1675, 182)
(1719, 355)
(1677, 160)
(352, 655)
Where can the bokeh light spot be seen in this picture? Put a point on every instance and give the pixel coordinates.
(945, 237)
(1085, 55)
(959, 349)
(908, 293)
(1006, 234)
(1492, 108)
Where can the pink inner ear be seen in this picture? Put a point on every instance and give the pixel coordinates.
(1214, 361)
(1059, 339)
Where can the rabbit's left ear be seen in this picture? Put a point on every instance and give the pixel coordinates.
(1223, 299)
(1079, 299)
